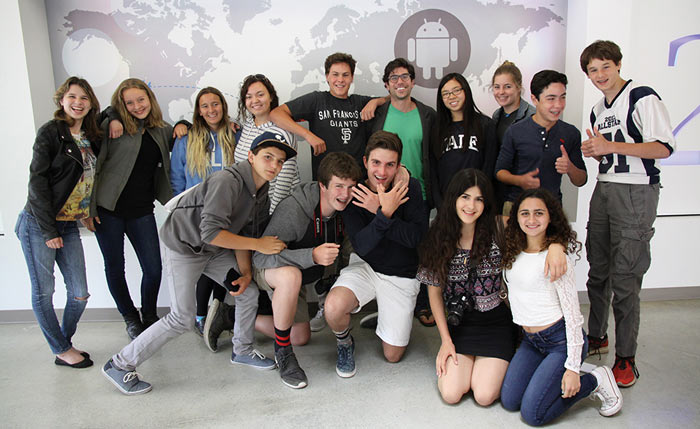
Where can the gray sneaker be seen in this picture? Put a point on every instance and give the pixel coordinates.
(291, 373)
(369, 321)
(255, 359)
(126, 381)
(216, 322)
(345, 367)
(319, 321)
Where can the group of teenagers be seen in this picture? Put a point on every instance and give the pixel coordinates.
(494, 270)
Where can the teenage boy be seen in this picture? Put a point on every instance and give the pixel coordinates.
(336, 124)
(334, 116)
(537, 151)
(385, 223)
(211, 231)
(309, 222)
(412, 121)
(631, 129)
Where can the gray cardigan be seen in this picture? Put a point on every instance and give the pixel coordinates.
(117, 158)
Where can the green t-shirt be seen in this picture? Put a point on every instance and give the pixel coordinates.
(410, 130)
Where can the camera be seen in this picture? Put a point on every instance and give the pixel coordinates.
(324, 285)
(456, 307)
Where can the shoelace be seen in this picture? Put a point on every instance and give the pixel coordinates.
(257, 354)
(626, 361)
(319, 313)
(130, 376)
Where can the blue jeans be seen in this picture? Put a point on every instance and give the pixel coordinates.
(533, 381)
(40, 262)
(143, 235)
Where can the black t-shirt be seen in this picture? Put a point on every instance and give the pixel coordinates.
(335, 120)
(504, 121)
(463, 150)
(137, 197)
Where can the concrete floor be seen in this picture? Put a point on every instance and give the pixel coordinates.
(196, 388)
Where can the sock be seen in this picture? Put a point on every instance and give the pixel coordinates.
(200, 318)
(282, 338)
(343, 337)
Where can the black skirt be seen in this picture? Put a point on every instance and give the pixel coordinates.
(487, 334)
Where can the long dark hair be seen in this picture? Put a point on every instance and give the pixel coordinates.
(558, 231)
(89, 126)
(249, 80)
(471, 119)
(442, 240)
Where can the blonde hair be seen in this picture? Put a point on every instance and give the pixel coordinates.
(198, 159)
(155, 116)
(509, 68)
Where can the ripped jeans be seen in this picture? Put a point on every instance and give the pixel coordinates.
(40, 262)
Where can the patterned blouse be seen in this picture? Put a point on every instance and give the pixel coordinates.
(483, 283)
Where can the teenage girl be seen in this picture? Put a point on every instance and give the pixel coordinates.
(208, 146)
(461, 264)
(133, 171)
(507, 87)
(544, 378)
(61, 184)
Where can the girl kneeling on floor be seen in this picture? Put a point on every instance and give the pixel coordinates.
(461, 264)
(543, 378)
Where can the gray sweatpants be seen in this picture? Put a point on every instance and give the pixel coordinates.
(620, 227)
(182, 272)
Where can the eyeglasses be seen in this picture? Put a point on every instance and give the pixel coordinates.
(455, 92)
(395, 77)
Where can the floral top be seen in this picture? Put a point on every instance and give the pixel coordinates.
(483, 282)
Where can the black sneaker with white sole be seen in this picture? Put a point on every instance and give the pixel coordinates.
(291, 373)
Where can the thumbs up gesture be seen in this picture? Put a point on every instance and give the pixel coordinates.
(562, 163)
(596, 145)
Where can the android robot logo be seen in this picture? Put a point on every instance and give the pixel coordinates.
(432, 48)
(436, 43)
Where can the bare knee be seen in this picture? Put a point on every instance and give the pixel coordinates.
(82, 298)
(393, 354)
(451, 395)
(485, 397)
(301, 334)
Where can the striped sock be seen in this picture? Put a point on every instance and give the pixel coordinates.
(343, 337)
(282, 338)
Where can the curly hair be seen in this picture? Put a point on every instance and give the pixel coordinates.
(442, 240)
(247, 82)
(558, 231)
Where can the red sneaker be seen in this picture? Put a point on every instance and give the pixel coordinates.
(625, 371)
(597, 345)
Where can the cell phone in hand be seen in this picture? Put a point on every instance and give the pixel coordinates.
(231, 276)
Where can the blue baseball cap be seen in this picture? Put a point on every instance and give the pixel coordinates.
(274, 138)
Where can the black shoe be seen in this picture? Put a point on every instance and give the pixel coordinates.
(148, 319)
(85, 363)
(291, 373)
(218, 320)
(134, 327)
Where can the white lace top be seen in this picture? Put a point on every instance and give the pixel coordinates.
(535, 301)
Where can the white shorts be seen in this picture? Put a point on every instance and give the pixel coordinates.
(396, 298)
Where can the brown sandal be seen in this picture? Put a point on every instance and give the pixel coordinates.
(425, 317)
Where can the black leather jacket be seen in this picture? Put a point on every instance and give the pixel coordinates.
(56, 168)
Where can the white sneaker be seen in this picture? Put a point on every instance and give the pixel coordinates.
(607, 391)
(319, 321)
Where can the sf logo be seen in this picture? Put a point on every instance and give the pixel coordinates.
(345, 135)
